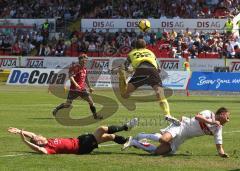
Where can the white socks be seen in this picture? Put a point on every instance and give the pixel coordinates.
(153, 137)
(144, 146)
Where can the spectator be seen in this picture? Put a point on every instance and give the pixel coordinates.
(41, 50)
(193, 52)
(237, 51)
(45, 30)
(59, 50)
(16, 48)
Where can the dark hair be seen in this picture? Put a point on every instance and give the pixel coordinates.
(32, 141)
(82, 56)
(220, 110)
(140, 43)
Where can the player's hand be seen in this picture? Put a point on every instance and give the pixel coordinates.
(13, 130)
(91, 90)
(77, 86)
(217, 123)
(225, 155)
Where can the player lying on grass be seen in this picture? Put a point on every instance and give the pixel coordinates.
(170, 138)
(84, 144)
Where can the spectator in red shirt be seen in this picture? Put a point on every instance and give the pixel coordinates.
(16, 48)
(84, 144)
(79, 80)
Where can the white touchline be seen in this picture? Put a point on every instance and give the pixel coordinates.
(106, 145)
(14, 155)
(229, 132)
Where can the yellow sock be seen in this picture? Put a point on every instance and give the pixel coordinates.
(122, 81)
(165, 106)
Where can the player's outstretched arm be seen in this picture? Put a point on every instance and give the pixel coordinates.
(33, 146)
(201, 118)
(221, 151)
(18, 131)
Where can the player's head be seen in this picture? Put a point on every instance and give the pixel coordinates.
(140, 43)
(222, 115)
(82, 59)
(39, 140)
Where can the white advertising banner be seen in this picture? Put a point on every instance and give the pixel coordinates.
(171, 64)
(44, 77)
(47, 62)
(177, 80)
(37, 76)
(27, 22)
(168, 24)
(9, 62)
(102, 64)
(205, 64)
(234, 65)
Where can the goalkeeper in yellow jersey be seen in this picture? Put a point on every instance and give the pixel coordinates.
(146, 69)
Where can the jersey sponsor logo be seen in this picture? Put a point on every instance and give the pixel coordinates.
(35, 63)
(169, 64)
(33, 77)
(235, 67)
(142, 54)
(8, 62)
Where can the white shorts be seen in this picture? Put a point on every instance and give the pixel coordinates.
(176, 132)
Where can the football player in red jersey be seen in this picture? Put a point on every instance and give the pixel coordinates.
(84, 144)
(79, 81)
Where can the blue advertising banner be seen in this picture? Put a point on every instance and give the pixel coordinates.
(218, 81)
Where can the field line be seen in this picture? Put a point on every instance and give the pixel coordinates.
(229, 132)
(106, 145)
(14, 155)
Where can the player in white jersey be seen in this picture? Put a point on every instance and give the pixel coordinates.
(204, 123)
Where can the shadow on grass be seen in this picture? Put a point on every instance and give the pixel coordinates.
(108, 153)
(42, 118)
(149, 155)
(134, 153)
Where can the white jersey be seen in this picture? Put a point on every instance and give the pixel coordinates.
(194, 128)
(190, 127)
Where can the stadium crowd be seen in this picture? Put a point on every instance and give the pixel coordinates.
(66, 10)
(164, 44)
(167, 9)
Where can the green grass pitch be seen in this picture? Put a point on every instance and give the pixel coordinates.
(30, 108)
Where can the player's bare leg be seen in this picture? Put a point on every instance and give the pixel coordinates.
(92, 107)
(164, 105)
(122, 80)
(67, 104)
(130, 89)
(106, 133)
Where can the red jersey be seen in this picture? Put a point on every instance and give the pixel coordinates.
(62, 146)
(79, 74)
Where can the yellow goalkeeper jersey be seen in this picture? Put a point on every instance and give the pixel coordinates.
(137, 56)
